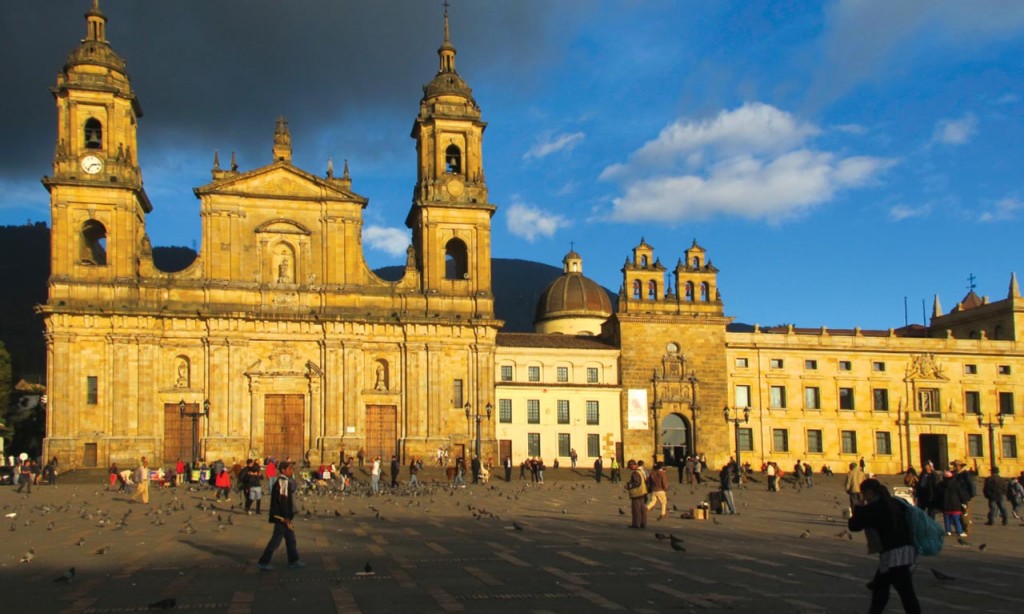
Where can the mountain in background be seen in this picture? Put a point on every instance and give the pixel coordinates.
(25, 268)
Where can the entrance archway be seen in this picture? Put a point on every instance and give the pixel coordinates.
(675, 439)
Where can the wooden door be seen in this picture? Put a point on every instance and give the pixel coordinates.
(283, 434)
(90, 457)
(177, 433)
(506, 450)
(381, 431)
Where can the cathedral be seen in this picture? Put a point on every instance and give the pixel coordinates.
(278, 340)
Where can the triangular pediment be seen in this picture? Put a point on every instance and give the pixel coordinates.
(280, 181)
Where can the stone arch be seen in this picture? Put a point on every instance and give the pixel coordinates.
(93, 133)
(676, 438)
(93, 243)
(456, 260)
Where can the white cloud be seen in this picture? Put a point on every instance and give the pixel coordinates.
(562, 142)
(391, 241)
(956, 131)
(531, 222)
(753, 162)
(850, 128)
(898, 213)
(1005, 210)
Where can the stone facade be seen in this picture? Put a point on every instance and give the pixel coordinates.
(279, 328)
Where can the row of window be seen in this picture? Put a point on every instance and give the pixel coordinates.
(928, 401)
(564, 445)
(849, 444)
(846, 365)
(689, 291)
(563, 413)
(561, 374)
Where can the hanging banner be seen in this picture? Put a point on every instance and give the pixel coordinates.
(636, 418)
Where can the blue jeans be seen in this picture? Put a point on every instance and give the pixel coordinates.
(281, 531)
(374, 483)
(953, 519)
(413, 482)
(727, 497)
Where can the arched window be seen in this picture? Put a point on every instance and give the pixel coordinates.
(704, 292)
(456, 260)
(689, 291)
(93, 134)
(636, 289)
(94, 243)
(643, 261)
(696, 262)
(652, 290)
(453, 160)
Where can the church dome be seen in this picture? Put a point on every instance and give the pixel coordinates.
(572, 303)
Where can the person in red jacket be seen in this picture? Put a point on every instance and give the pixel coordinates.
(179, 473)
(223, 484)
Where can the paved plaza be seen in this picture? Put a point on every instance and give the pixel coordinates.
(460, 551)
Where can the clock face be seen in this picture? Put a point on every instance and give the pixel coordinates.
(455, 187)
(92, 164)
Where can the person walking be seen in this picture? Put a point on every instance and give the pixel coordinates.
(254, 486)
(414, 468)
(282, 511)
(598, 469)
(223, 484)
(772, 477)
(1015, 492)
(995, 489)
(659, 489)
(25, 475)
(507, 463)
(725, 481)
(616, 473)
(142, 481)
(637, 489)
(853, 479)
(395, 468)
(573, 457)
(952, 497)
(879, 511)
(375, 476)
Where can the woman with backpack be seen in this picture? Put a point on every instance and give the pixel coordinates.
(879, 511)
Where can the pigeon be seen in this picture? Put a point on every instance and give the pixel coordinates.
(941, 577)
(660, 536)
(11, 515)
(102, 550)
(963, 542)
(49, 527)
(28, 556)
(622, 512)
(368, 568)
(982, 547)
(517, 526)
(805, 534)
(164, 604)
(844, 534)
(677, 546)
(67, 576)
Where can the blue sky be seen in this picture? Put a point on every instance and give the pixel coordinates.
(833, 158)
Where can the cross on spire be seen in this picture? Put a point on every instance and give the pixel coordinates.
(970, 282)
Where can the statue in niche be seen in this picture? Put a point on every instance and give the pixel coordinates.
(283, 264)
(182, 378)
(381, 382)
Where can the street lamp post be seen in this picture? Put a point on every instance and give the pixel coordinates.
(991, 436)
(195, 415)
(736, 421)
(478, 416)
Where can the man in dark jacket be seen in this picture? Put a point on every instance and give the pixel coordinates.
(395, 468)
(598, 469)
(995, 491)
(887, 516)
(282, 511)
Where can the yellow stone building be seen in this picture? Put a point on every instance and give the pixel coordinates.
(279, 336)
(279, 340)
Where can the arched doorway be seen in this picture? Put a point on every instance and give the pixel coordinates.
(675, 439)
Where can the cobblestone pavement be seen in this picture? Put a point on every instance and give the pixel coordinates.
(459, 551)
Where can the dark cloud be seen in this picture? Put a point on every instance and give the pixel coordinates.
(215, 75)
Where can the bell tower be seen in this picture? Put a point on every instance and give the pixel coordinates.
(97, 201)
(450, 215)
